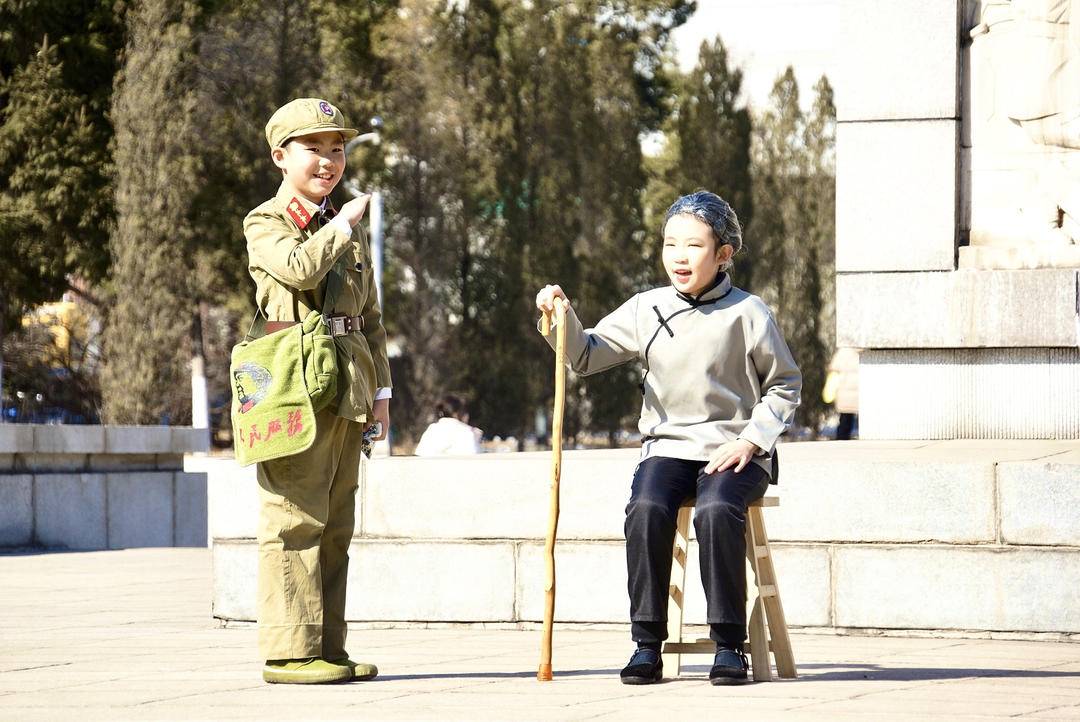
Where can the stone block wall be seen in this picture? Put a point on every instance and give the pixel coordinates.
(969, 536)
(917, 160)
(898, 125)
(100, 487)
(977, 393)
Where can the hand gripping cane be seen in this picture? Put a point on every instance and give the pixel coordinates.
(544, 673)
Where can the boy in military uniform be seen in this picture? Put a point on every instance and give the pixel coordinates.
(295, 242)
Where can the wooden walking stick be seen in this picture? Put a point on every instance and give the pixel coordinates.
(544, 673)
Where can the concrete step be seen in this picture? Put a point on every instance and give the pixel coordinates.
(888, 534)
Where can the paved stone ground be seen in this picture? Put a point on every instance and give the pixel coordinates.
(127, 635)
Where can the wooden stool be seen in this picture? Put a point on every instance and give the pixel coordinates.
(768, 630)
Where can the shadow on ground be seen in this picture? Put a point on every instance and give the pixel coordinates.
(498, 675)
(849, 672)
(807, 673)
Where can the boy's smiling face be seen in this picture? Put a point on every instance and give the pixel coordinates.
(313, 164)
(690, 255)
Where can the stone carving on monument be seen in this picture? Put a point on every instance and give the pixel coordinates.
(1021, 135)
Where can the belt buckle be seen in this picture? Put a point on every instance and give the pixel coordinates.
(337, 326)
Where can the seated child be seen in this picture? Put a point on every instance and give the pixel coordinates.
(720, 388)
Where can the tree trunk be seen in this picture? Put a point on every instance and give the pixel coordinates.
(144, 379)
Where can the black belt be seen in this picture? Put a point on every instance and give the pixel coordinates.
(339, 324)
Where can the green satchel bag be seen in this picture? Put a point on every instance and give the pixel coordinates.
(280, 381)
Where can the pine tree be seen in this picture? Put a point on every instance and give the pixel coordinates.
(585, 90)
(789, 270)
(146, 337)
(820, 140)
(777, 164)
(54, 204)
(607, 113)
(88, 35)
(707, 144)
(54, 209)
(426, 193)
(353, 71)
(516, 163)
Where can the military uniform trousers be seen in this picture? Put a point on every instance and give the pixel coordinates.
(306, 520)
(661, 485)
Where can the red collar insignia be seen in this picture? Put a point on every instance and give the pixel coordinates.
(299, 213)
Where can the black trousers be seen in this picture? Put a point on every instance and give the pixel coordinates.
(660, 487)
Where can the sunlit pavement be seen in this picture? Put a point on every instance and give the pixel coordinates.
(128, 635)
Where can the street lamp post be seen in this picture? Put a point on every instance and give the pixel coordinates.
(375, 214)
(377, 242)
(374, 206)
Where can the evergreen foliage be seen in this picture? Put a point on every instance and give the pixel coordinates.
(157, 174)
(515, 132)
(820, 139)
(54, 207)
(794, 197)
(131, 148)
(707, 146)
(57, 59)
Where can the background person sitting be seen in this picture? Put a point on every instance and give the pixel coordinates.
(842, 390)
(450, 434)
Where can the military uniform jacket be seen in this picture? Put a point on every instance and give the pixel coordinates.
(717, 368)
(290, 252)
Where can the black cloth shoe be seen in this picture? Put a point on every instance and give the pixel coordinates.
(729, 666)
(644, 667)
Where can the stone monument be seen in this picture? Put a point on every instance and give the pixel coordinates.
(958, 216)
(1022, 126)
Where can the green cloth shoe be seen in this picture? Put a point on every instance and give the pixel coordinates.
(360, 670)
(311, 670)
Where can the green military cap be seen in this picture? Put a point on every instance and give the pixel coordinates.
(303, 116)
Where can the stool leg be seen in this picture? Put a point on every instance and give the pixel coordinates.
(677, 590)
(759, 637)
(780, 642)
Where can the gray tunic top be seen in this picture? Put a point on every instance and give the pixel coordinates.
(717, 368)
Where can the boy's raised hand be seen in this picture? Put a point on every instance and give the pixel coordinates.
(545, 299)
(734, 453)
(354, 210)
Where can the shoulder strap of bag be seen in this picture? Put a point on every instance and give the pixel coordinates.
(335, 280)
(334, 284)
(248, 337)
